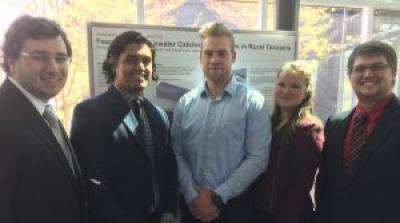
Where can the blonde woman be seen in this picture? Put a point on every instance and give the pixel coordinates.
(282, 191)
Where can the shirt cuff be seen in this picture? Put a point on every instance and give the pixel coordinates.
(224, 192)
(168, 217)
(189, 193)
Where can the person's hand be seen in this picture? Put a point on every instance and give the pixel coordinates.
(202, 206)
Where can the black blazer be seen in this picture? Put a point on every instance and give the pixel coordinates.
(372, 193)
(117, 168)
(36, 182)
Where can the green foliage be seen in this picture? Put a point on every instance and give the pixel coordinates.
(73, 16)
(313, 40)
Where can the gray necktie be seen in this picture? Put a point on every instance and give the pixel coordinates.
(59, 134)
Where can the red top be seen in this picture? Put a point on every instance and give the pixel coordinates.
(282, 191)
(373, 115)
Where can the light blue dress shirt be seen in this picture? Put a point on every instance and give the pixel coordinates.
(220, 144)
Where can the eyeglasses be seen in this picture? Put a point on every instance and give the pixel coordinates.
(44, 58)
(375, 67)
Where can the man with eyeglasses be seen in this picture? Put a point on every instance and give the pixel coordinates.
(40, 178)
(359, 176)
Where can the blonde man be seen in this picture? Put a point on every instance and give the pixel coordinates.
(221, 135)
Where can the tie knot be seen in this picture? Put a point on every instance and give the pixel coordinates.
(136, 107)
(136, 103)
(49, 115)
(361, 119)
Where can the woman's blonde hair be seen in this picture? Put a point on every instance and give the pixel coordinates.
(302, 69)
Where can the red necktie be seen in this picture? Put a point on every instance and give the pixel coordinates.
(357, 139)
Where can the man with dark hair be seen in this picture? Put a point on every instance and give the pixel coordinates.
(122, 141)
(359, 177)
(40, 179)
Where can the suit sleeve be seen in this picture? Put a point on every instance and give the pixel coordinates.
(8, 175)
(172, 186)
(321, 179)
(171, 171)
(89, 139)
(306, 161)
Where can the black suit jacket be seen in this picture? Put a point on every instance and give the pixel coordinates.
(372, 193)
(117, 168)
(36, 182)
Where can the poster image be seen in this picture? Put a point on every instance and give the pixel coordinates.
(259, 55)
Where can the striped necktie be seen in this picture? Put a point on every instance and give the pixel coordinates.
(145, 136)
(357, 139)
(136, 107)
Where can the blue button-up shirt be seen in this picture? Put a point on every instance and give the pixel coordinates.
(220, 144)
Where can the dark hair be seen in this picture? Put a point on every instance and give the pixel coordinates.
(28, 27)
(117, 47)
(374, 47)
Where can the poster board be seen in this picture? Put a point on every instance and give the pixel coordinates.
(259, 55)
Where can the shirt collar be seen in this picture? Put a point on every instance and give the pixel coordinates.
(376, 110)
(129, 97)
(230, 88)
(36, 102)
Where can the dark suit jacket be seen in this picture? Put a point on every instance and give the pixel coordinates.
(117, 168)
(372, 193)
(36, 182)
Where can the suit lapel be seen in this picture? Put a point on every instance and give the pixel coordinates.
(37, 124)
(383, 128)
(123, 121)
(76, 165)
(337, 134)
(157, 127)
(78, 178)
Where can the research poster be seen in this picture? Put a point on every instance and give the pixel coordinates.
(259, 55)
